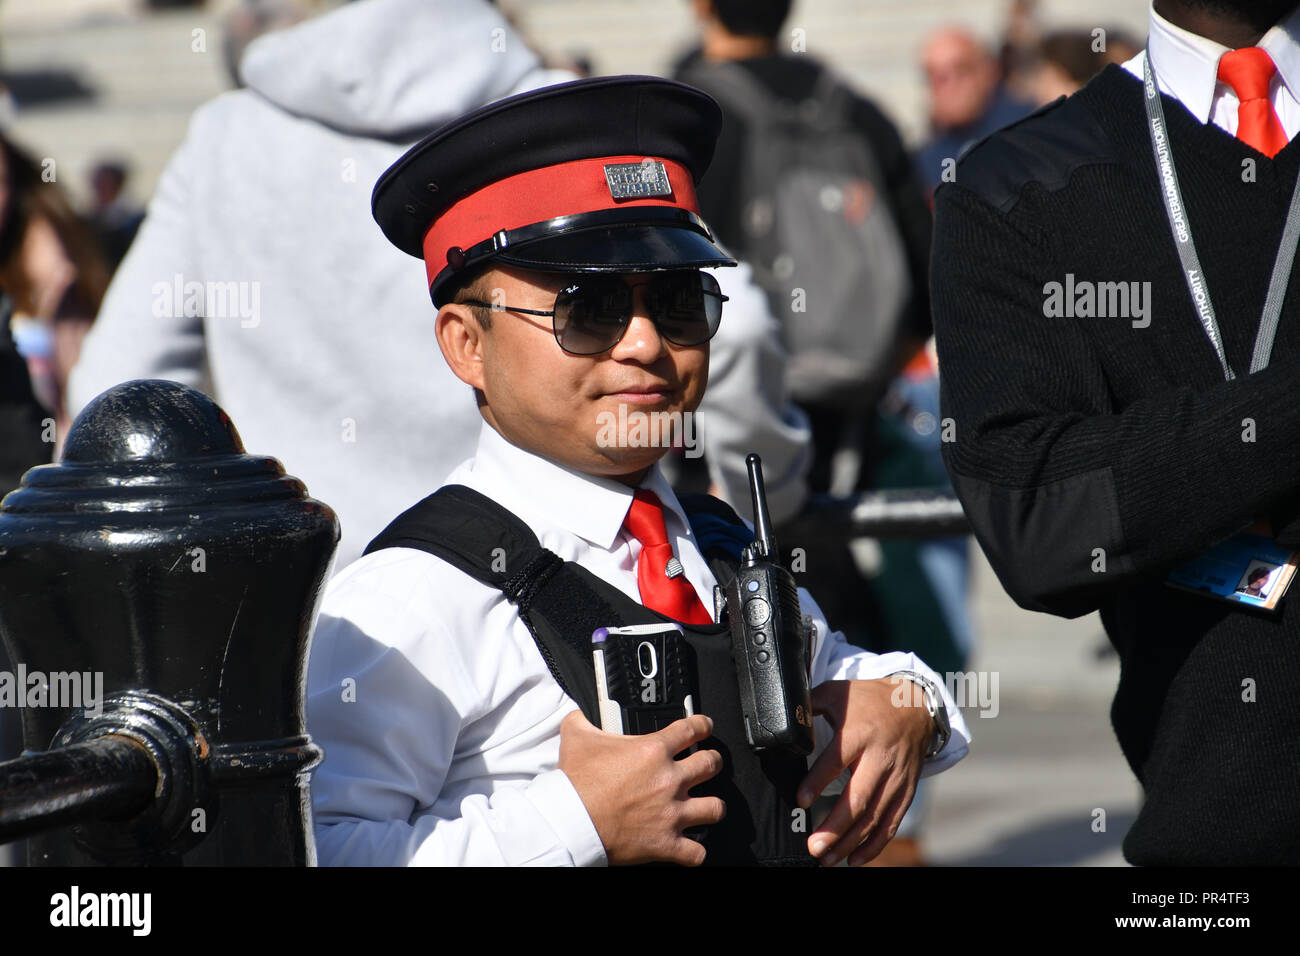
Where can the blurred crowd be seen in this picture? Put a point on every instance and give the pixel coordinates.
(56, 259)
(873, 425)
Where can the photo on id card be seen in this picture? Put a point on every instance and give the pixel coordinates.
(1247, 569)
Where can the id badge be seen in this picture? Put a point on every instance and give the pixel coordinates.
(1249, 568)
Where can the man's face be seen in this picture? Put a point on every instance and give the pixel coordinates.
(567, 407)
(961, 76)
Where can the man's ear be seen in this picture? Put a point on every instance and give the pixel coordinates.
(462, 340)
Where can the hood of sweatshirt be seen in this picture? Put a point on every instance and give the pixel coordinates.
(390, 68)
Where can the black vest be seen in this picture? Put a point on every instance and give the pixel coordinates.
(562, 603)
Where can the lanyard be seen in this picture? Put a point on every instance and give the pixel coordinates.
(1182, 229)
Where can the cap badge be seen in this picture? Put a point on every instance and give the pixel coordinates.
(638, 180)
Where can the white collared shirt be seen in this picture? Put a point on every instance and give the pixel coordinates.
(439, 719)
(1186, 66)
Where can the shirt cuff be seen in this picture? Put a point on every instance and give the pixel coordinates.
(553, 795)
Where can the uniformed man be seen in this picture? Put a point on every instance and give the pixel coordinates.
(568, 264)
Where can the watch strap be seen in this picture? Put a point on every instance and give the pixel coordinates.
(936, 707)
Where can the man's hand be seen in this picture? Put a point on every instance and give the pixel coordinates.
(636, 793)
(885, 745)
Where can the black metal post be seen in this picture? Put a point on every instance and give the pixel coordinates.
(170, 581)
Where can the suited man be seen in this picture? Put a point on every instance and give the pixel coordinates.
(1105, 441)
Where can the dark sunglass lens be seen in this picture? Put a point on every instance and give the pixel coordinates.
(591, 314)
(687, 307)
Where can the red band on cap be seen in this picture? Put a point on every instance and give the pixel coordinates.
(541, 194)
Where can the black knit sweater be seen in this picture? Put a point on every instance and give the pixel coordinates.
(1085, 443)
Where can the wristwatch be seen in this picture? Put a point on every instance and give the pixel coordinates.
(935, 706)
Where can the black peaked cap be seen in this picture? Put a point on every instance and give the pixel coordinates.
(584, 119)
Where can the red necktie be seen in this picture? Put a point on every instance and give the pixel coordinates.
(1248, 71)
(673, 597)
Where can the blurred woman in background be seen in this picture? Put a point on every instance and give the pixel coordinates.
(53, 271)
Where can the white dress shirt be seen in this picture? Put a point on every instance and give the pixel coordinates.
(1186, 66)
(439, 719)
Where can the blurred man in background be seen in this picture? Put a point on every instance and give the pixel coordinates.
(967, 100)
(811, 185)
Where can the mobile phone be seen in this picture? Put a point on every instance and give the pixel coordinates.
(642, 677)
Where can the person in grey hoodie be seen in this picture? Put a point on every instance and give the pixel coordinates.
(260, 277)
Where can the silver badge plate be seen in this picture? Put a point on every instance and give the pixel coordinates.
(638, 180)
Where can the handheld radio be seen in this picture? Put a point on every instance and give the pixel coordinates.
(768, 640)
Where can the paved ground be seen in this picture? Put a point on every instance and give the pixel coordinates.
(1038, 772)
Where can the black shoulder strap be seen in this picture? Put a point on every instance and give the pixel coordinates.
(558, 601)
(475, 534)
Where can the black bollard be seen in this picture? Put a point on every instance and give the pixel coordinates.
(187, 573)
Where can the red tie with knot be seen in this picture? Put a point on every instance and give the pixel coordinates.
(673, 596)
(1248, 71)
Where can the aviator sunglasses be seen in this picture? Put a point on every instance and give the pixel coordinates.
(592, 312)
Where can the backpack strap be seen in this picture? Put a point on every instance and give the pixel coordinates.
(829, 105)
(835, 99)
(734, 84)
